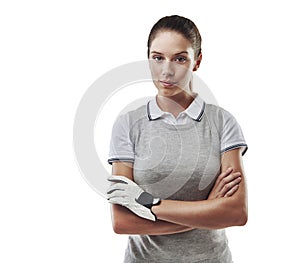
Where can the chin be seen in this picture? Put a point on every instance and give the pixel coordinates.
(169, 92)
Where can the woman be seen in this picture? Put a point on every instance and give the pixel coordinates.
(177, 174)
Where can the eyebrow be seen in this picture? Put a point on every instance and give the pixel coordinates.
(182, 52)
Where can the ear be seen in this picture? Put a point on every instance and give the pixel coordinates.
(197, 63)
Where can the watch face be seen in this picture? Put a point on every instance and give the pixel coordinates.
(145, 199)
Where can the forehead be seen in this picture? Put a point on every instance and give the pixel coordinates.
(170, 42)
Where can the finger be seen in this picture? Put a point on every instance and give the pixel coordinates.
(118, 179)
(229, 178)
(232, 191)
(117, 186)
(117, 201)
(117, 194)
(121, 179)
(224, 174)
(227, 187)
(218, 186)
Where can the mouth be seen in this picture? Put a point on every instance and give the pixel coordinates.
(167, 83)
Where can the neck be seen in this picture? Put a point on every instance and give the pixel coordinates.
(175, 104)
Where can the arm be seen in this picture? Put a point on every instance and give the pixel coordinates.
(126, 222)
(210, 214)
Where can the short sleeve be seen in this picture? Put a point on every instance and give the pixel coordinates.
(121, 147)
(232, 136)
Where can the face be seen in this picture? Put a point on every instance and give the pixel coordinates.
(172, 61)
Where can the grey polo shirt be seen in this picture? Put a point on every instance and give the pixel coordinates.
(176, 159)
(121, 147)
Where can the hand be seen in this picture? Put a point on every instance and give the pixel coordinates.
(226, 185)
(127, 193)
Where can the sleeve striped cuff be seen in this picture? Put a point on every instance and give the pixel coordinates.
(235, 146)
(111, 160)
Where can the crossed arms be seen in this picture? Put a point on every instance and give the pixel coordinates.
(226, 205)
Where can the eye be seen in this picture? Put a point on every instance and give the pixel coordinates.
(180, 60)
(157, 58)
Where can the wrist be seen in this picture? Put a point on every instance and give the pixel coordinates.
(155, 209)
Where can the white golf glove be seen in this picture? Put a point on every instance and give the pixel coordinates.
(127, 193)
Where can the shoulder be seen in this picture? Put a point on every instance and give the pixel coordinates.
(126, 120)
(141, 111)
(213, 109)
(135, 115)
(230, 132)
(214, 113)
(217, 113)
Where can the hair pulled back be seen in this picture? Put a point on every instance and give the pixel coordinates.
(181, 25)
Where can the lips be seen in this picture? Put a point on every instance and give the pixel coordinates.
(167, 83)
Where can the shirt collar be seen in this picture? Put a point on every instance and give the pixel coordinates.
(195, 110)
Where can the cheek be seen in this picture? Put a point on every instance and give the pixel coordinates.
(184, 77)
(155, 69)
(183, 73)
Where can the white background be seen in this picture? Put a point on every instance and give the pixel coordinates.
(52, 51)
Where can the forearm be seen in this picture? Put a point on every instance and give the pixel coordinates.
(126, 222)
(214, 213)
(206, 214)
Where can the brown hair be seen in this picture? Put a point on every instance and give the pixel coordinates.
(181, 25)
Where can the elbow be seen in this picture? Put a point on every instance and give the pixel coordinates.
(118, 219)
(241, 217)
(122, 226)
(244, 219)
(118, 226)
(239, 212)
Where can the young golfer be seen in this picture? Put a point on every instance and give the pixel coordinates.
(177, 175)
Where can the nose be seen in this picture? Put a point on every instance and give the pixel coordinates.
(167, 69)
